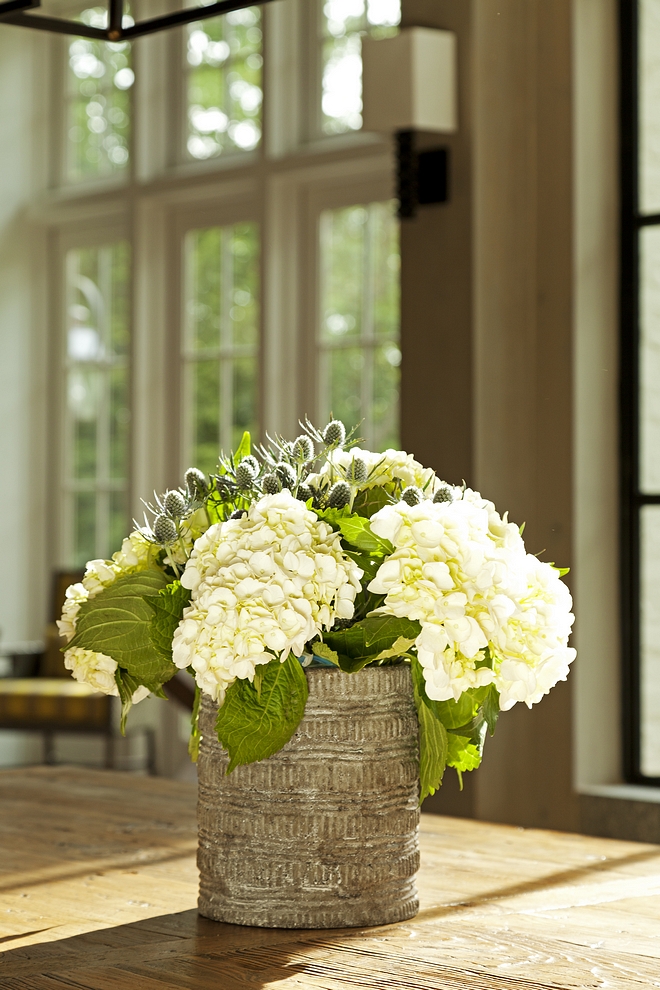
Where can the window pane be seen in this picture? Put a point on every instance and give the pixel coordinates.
(99, 81)
(343, 24)
(224, 87)
(649, 371)
(359, 356)
(97, 421)
(649, 106)
(221, 338)
(650, 640)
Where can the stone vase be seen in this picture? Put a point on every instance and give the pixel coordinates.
(324, 834)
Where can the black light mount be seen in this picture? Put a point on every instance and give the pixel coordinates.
(16, 12)
(422, 176)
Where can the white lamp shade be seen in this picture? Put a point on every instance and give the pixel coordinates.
(409, 81)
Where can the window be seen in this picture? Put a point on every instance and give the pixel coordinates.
(641, 382)
(98, 97)
(223, 84)
(97, 413)
(343, 23)
(221, 337)
(260, 288)
(358, 344)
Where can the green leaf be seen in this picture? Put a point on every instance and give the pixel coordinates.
(127, 686)
(117, 623)
(322, 650)
(490, 706)
(243, 448)
(356, 531)
(454, 714)
(397, 649)
(362, 642)
(563, 571)
(463, 754)
(370, 500)
(252, 727)
(433, 742)
(195, 735)
(167, 607)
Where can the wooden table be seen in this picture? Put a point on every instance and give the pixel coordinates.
(98, 887)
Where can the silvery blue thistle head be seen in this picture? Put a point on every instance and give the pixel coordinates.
(271, 484)
(305, 493)
(443, 495)
(303, 450)
(252, 463)
(245, 475)
(195, 482)
(334, 435)
(358, 471)
(174, 504)
(339, 495)
(411, 495)
(286, 474)
(164, 530)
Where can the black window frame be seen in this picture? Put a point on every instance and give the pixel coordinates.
(632, 498)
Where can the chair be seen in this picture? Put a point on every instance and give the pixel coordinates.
(53, 702)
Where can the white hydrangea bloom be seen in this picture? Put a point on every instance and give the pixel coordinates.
(85, 665)
(463, 572)
(389, 466)
(262, 586)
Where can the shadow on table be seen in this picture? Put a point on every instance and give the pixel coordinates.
(183, 950)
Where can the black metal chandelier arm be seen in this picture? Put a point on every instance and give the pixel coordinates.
(13, 12)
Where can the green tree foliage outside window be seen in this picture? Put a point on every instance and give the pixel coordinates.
(343, 24)
(98, 111)
(221, 341)
(359, 354)
(224, 84)
(96, 448)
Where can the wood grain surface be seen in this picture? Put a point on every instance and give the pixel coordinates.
(98, 890)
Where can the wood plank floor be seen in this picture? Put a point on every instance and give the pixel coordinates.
(98, 889)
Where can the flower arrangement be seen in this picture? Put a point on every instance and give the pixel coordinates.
(319, 553)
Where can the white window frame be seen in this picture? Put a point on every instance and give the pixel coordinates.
(283, 186)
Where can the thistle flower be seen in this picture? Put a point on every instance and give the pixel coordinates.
(411, 495)
(195, 482)
(252, 463)
(357, 471)
(443, 494)
(334, 434)
(305, 493)
(303, 450)
(339, 495)
(286, 474)
(164, 530)
(245, 475)
(174, 504)
(271, 484)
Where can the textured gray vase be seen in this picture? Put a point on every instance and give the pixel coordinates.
(324, 834)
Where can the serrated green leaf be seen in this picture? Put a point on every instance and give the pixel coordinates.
(433, 743)
(127, 686)
(167, 607)
(369, 501)
(322, 650)
(117, 622)
(244, 448)
(463, 754)
(361, 643)
(252, 727)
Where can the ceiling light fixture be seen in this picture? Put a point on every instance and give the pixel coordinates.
(15, 12)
